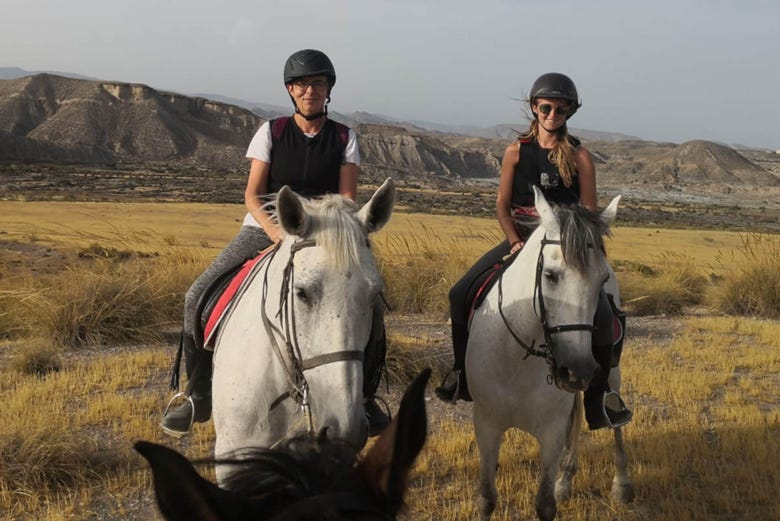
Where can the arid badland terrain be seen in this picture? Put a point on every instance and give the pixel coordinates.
(74, 139)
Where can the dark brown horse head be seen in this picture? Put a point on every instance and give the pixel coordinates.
(303, 479)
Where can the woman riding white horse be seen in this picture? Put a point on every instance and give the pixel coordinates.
(530, 352)
(314, 156)
(546, 156)
(289, 355)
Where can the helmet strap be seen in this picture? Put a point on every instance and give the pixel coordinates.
(311, 117)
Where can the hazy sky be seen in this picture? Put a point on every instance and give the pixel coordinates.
(661, 69)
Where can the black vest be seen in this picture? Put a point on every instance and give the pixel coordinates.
(535, 168)
(309, 165)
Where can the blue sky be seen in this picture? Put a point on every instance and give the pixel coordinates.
(660, 70)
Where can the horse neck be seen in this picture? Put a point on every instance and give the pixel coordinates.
(520, 276)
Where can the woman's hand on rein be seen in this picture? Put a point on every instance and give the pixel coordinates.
(516, 246)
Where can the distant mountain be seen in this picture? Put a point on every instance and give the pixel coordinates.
(46, 117)
(52, 118)
(12, 73)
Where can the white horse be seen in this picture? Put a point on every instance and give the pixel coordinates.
(289, 356)
(534, 328)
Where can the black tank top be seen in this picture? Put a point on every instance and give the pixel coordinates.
(309, 165)
(535, 168)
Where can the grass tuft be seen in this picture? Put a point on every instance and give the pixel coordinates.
(751, 285)
(666, 290)
(38, 358)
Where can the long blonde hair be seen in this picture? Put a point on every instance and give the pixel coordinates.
(561, 155)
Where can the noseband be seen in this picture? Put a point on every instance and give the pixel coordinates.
(291, 358)
(545, 350)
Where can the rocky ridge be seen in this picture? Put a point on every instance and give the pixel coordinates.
(47, 118)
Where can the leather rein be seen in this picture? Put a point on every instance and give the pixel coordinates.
(545, 350)
(290, 354)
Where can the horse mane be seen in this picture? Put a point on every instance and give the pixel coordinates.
(335, 227)
(306, 478)
(581, 229)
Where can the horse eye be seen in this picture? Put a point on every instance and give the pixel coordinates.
(302, 295)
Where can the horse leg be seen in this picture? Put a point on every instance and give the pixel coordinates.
(551, 444)
(569, 462)
(622, 487)
(489, 439)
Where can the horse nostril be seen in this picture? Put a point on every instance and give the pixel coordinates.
(566, 375)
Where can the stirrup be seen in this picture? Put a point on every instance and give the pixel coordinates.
(615, 410)
(171, 432)
(451, 393)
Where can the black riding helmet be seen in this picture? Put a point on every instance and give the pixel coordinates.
(555, 85)
(309, 62)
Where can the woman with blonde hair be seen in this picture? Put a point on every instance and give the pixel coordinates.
(547, 156)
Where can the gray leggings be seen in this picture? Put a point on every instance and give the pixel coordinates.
(246, 245)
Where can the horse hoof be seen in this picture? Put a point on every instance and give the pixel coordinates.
(622, 492)
(486, 507)
(562, 490)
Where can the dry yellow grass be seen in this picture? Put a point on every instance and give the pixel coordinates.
(703, 445)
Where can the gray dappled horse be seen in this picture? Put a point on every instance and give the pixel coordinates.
(289, 356)
(534, 329)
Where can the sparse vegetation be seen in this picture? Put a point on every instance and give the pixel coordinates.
(421, 265)
(753, 288)
(674, 284)
(703, 399)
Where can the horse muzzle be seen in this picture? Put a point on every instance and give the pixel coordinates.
(574, 377)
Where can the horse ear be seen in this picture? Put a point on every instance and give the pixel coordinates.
(391, 457)
(610, 212)
(181, 492)
(545, 211)
(376, 212)
(289, 209)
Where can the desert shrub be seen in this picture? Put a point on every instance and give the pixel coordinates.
(37, 357)
(750, 284)
(407, 356)
(11, 318)
(104, 301)
(420, 267)
(100, 251)
(47, 460)
(675, 283)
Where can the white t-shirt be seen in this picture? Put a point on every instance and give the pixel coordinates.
(260, 149)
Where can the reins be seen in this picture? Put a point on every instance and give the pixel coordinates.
(545, 350)
(291, 358)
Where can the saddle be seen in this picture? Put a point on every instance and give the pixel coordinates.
(480, 287)
(216, 302)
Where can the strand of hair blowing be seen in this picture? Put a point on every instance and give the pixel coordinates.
(562, 154)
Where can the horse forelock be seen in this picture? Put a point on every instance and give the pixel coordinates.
(581, 230)
(335, 228)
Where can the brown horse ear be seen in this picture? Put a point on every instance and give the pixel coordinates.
(182, 494)
(390, 459)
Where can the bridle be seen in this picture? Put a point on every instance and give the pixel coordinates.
(290, 357)
(545, 350)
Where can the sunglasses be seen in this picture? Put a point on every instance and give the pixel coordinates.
(561, 110)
